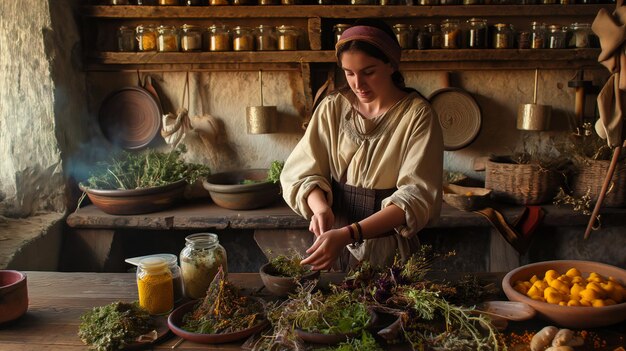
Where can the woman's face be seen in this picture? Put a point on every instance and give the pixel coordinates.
(368, 77)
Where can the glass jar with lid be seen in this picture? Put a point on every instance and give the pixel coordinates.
(169, 2)
(200, 260)
(190, 38)
(126, 39)
(422, 39)
(146, 36)
(338, 30)
(404, 34)
(503, 36)
(167, 39)
(155, 286)
(581, 32)
(476, 33)
(217, 38)
(537, 35)
(242, 39)
(287, 37)
(556, 36)
(218, 2)
(435, 35)
(363, 2)
(269, 2)
(265, 37)
(450, 34)
(193, 2)
(428, 2)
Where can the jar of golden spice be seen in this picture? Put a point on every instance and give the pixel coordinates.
(169, 2)
(155, 285)
(265, 38)
(146, 37)
(190, 38)
(404, 34)
(126, 39)
(167, 39)
(287, 37)
(217, 38)
(502, 36)
(200, 260)
(218, 2)
(450, 34)
(242, 39)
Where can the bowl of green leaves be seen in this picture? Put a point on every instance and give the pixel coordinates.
(283, 273)
(135, 183)
(245, 189)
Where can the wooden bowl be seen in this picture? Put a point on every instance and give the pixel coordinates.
(227, 189)
(568, 316)
(13, 295)
(136, 201)
(465, 198)
(282, 286)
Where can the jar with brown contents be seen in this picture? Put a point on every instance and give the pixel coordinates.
(265, 38)
(217, 38)
(190, 38)
(242, 39)
(287, 37)
(502, 36)
(155, 286)
(146, 37)
(476, 37)
(451, 34)
(404, 34)
(169, 2)
(167, 39)
(126, 39)
(537, 35)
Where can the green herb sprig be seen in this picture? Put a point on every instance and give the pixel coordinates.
(273, 175)
(288, 265)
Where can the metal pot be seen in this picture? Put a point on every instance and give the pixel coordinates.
(261, 119)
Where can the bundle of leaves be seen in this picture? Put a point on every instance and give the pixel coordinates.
(365, 343)
(113, 326)
(151, 168)
(223, 310)
(273, 175)
(288, 265)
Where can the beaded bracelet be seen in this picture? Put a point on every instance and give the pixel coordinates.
(351, 230)
(359, 232)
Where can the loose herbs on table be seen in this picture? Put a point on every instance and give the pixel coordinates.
(114, 326)
(288, 265)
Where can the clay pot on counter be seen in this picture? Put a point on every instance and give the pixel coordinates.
(13, 295)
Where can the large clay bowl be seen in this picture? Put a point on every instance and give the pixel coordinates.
(568, 316)
(227, 189)
(137, 201)
(13, 295)
(175, 322)
(282, 286)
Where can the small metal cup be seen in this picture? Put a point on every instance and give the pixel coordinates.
(261, 119)
(533, 117)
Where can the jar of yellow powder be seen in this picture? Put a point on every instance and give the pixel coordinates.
(146, 37)
(155, 285)
(167, 39)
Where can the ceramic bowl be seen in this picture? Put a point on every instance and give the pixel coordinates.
(282, 286)
(466, 198)
(568, 316)
(175, 322)
(229, 190)
(136, 201)
(13, 295)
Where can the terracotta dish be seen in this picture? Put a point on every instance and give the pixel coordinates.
(568, 316)
(175, 322)
(136, 201)
(13, 295)
(282, 286)
(228, 190)
(466, 198)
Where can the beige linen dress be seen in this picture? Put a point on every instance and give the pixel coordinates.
(403, 149)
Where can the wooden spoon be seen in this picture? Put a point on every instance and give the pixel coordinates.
(510, 310)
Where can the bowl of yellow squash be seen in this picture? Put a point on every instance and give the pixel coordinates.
(570, 293)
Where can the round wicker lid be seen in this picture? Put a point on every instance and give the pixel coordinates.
(130, 118)
(459, 116)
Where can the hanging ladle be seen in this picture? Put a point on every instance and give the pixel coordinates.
(261, 119)
(533, 116)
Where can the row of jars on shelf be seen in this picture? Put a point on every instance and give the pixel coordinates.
(214, 38)
(346, 2)
(475, 34)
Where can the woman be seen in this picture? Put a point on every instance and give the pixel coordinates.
(368, 170)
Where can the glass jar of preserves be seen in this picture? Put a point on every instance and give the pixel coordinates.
(242, 39)
(422, 40)
(556, 36)
(435, 35)
(218, 2)
(126, 39)
(581, 32)
(169, 2)
(155, 286)
(265, 37)
(523, 39)
(146, 37)
(450, 34)
(287, 37)
(190, 38)
(167, 39)
(217, 38)
(502, 36)
(338, 30)
(404, 34)
(200, 260)
(537, 35)
(476, 37)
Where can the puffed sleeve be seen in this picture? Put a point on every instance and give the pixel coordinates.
(420, 176)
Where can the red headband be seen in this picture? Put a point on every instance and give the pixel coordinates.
(374, 36)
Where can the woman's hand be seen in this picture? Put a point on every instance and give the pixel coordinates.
(322, 221)
(326, 248)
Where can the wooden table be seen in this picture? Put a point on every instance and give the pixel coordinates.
(57, 300)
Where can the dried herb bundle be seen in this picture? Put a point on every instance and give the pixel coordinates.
(365, 343)
(113, 326)
(223, 310)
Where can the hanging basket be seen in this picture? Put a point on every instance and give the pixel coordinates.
(590, 176)
(521, 184)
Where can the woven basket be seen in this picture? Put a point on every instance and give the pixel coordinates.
(522, 184)
(590, 176)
